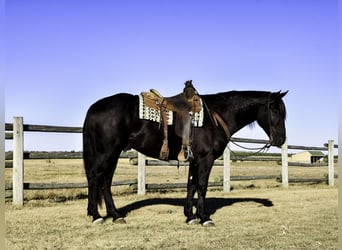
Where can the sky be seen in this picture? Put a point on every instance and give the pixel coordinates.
(63, 55)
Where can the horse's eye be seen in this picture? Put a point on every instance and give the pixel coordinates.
(274, 109)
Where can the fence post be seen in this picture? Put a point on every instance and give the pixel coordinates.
(331, 162)
(284, 165)
(18, 161)
(3, 228)
(141, 174)
(226, 169)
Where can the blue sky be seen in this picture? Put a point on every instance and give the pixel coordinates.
(63, 55)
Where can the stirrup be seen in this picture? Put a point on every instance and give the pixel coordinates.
(164, 151)
(185, 154)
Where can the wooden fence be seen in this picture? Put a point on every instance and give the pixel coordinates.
(16, 131)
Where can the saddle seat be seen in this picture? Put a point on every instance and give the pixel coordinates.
(177, 103)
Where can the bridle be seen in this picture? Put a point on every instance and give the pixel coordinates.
(269, 116)
(218, 120)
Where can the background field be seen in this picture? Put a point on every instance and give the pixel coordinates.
(256, 214)
(71, 170)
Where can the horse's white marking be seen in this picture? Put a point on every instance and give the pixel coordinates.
(193, 222)
(208, 223)
(98, 221)
(120, 221)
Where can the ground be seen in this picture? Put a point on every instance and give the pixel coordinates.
(255, 215)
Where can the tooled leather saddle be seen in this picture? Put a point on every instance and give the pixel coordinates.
(184, 105)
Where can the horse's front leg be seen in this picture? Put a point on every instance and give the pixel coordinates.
(191, 218)
(204, 169)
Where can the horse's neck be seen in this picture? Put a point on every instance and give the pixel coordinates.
(238, 116)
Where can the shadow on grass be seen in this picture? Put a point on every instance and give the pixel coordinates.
(212, 204)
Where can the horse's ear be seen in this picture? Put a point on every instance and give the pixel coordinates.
(281, 95)
(278, 95)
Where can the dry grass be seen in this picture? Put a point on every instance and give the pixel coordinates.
(256, 214)
(297, 218)
(64, 171)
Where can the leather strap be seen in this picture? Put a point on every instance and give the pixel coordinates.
(223, 124)
(164, 151)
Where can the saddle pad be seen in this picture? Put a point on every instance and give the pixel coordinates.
(147, 112)
(198, 117)
(151, 113)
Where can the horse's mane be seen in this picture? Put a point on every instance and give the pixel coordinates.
(246, 100)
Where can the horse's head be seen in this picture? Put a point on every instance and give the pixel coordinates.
(271, 117)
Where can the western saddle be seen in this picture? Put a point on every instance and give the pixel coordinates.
(184, 105)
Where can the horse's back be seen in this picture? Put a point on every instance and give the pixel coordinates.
(114, 103)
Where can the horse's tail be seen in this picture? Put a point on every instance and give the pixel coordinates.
(89, 161)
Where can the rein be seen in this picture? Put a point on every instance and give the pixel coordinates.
(217, 118)
(228, 134)
(259, 150)
(265, 147)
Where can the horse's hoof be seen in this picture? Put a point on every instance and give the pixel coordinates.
(119, 221)
(208, 223)
(193, 222)
(98, 221)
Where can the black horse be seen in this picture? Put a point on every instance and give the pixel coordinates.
(112, 125)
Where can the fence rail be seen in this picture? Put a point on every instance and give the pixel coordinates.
(16, 131)
(43, 186)
(55, 155)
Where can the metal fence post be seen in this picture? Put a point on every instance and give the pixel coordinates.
(284, 165)
(18, 161)
(141, 174)
(226, 169)
(331, 162)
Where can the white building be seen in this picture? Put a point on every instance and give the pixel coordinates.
(308, 157)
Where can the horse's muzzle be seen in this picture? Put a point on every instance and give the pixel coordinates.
(277, 143)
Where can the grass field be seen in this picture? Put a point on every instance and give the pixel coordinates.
(255, 215)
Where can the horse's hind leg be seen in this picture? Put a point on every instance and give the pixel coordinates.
(108, 177)
(99, 184)
(94, 197)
